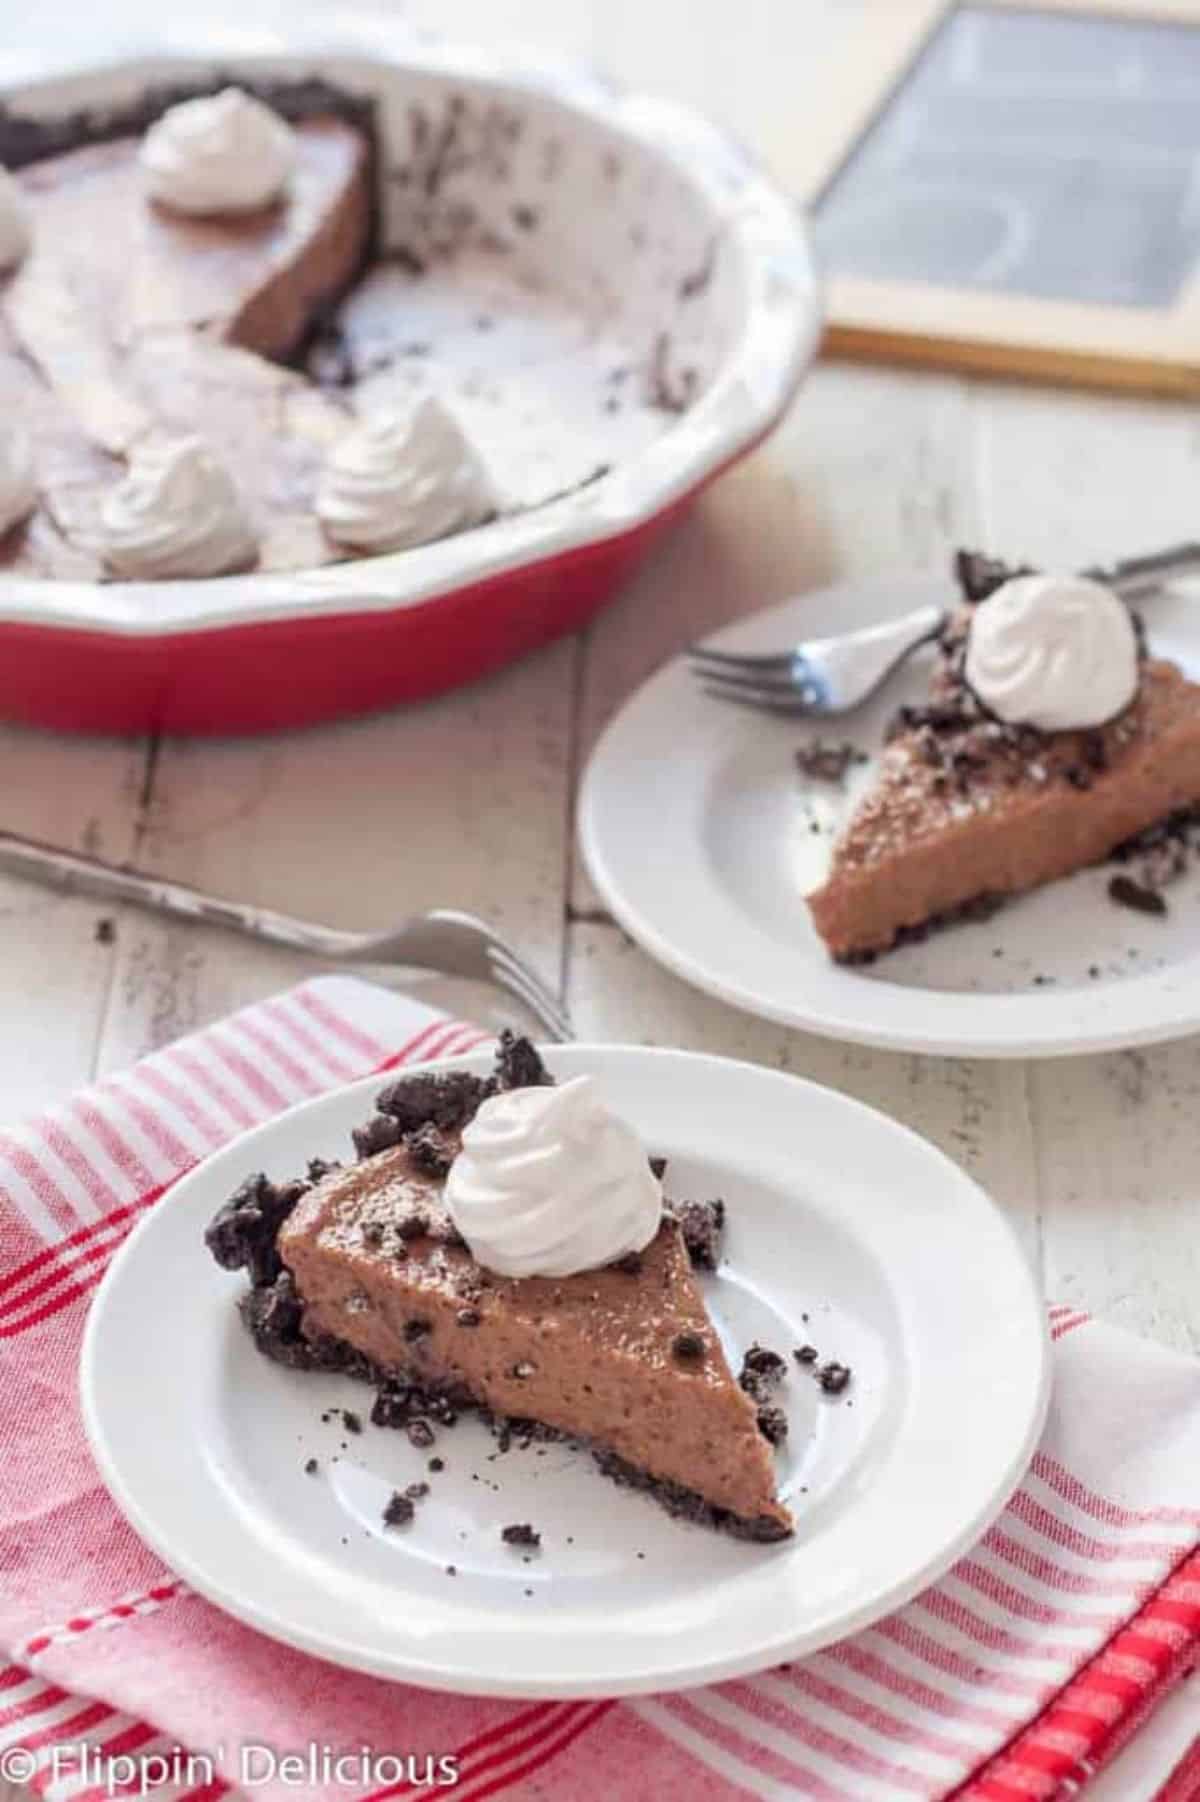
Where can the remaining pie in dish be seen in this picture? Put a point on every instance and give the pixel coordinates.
(363, 1268)
(129, 327)
(971, 805)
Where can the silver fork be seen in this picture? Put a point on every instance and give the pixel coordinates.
(834, 675)
(452, 943)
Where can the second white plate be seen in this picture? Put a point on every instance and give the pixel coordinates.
(702, 840)
(846, 1231)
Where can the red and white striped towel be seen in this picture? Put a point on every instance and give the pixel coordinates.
(1014, 1678)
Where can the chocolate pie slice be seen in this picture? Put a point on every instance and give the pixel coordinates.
(967, 810)
(363, 1270)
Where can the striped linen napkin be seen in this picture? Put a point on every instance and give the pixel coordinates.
(1016, 1677)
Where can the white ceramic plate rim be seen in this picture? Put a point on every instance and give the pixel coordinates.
(1007, 1304)
(833, 1001)
(751, 389)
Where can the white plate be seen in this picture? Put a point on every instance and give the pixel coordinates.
(707, 864)
(846, 1231)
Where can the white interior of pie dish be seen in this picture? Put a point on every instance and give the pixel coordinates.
(593, 229)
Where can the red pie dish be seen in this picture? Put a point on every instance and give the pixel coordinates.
(605, 291)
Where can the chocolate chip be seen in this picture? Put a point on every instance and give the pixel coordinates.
(1095, 750)
(468, 1317)
(420, 1434)
(689, 1348)
(399, 1511)
(772, 1424)
(521, 1533)
(416, 1329)
(1128, 893)
(413, 1226)
(833, 1378)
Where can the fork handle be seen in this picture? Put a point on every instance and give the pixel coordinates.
(71, 873)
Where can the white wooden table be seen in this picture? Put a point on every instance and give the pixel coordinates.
(1095, 1159)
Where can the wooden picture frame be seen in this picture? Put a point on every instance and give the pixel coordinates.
(977, 329)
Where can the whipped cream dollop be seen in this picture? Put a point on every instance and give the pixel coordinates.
(397, 480)
(1056, 652)
(18, 490)
(550, 1182)
(177, 513)
(224, 154)
(16, 234)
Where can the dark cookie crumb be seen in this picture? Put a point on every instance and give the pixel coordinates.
(320, 1168)
(978, 576)
(399, 1511)
(377, 1134)
(241, 1235)
(437, 1464)
(420, 1434)
(521, 1533)
(448, 1101)
(981, 907)
(416, 1492)
(806, 1354)
(452, 1570)
(430, 1150)
(823, 761)
(351, 1421)
(689, 1348)
(659, 1167)
(273, 1315)
(834, 1378)
(519, 1065)
(685, 1504)
(311, 1467)
(767, 1368)
(702, 1224)
(1128, 893)
(105, 932)
(772, 1424)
